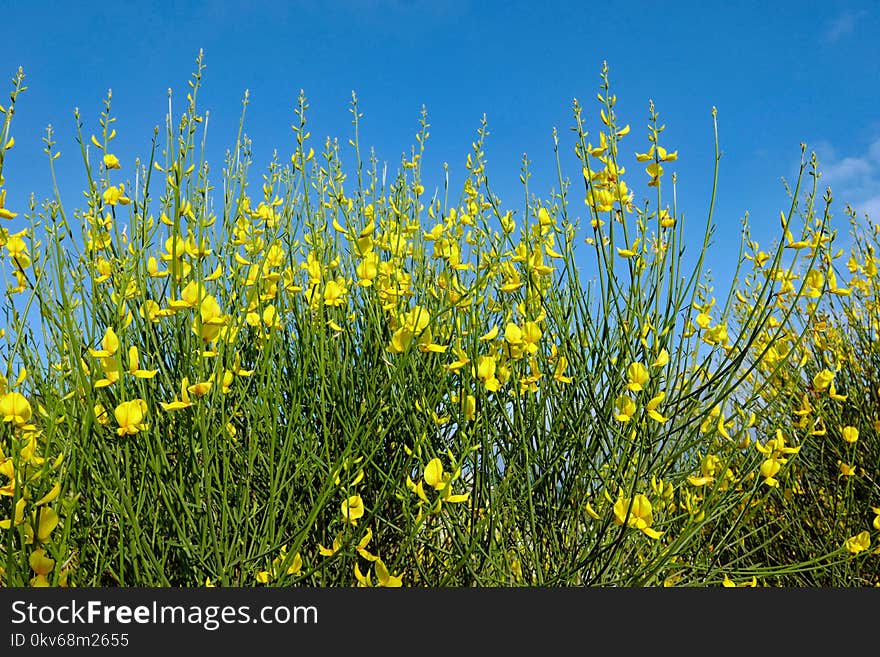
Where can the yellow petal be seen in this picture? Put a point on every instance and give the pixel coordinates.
(651, 533)
(491, 335)
(385, 578)
(48, 521)
(50, 496)
(434, 474)
(662, 359)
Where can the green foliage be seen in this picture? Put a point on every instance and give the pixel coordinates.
(323, 382)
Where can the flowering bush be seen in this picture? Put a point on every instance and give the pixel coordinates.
(333, 379)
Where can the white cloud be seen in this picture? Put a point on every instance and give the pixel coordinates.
(854, 179)
(846, 170)
(870, 207)
(842, 26)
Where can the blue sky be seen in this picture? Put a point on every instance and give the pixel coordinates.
(779, 73)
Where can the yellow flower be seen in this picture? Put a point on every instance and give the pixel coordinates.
(468, 406)
(655, 171)
(385, 578)
(662, 359)
(183, 402)
(651, 408)
(625, 408)
(270, 317)
(111, 368)
(109, 344)
(716, 335)
(850, 434)
(17, 249)
(130, 416)
(334, 292)
(663, 156)
(666, 219)
(352, 509)
(427, 345)
(729, 583)
(362, 580)
(823, 379)
(209, 320)
(51, 496)
(103, 268)
(775, 447)
(418, 489)
(101, 415)
(434, 474)
(832, 392)
(295, 566)
(329, 552)
(637, 376)
(630, 251)
(400, 340)
(113, 195)
(769, 468)
(436, 478)
(700, 481)
(491, 335)
(638, 515)
(5, 213)
(362, 546)
(134, 365)
(858, 543)
(513, 334)
(111, 161)
(14, 407)
(200, 389)
(531, 337)
(559, 370)
(486, 373)
(417, 319)
(368, 269)
(44, 520)
(41, 563)
(18, 514)
(544, 217)
(192, 293)
(224, 381)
